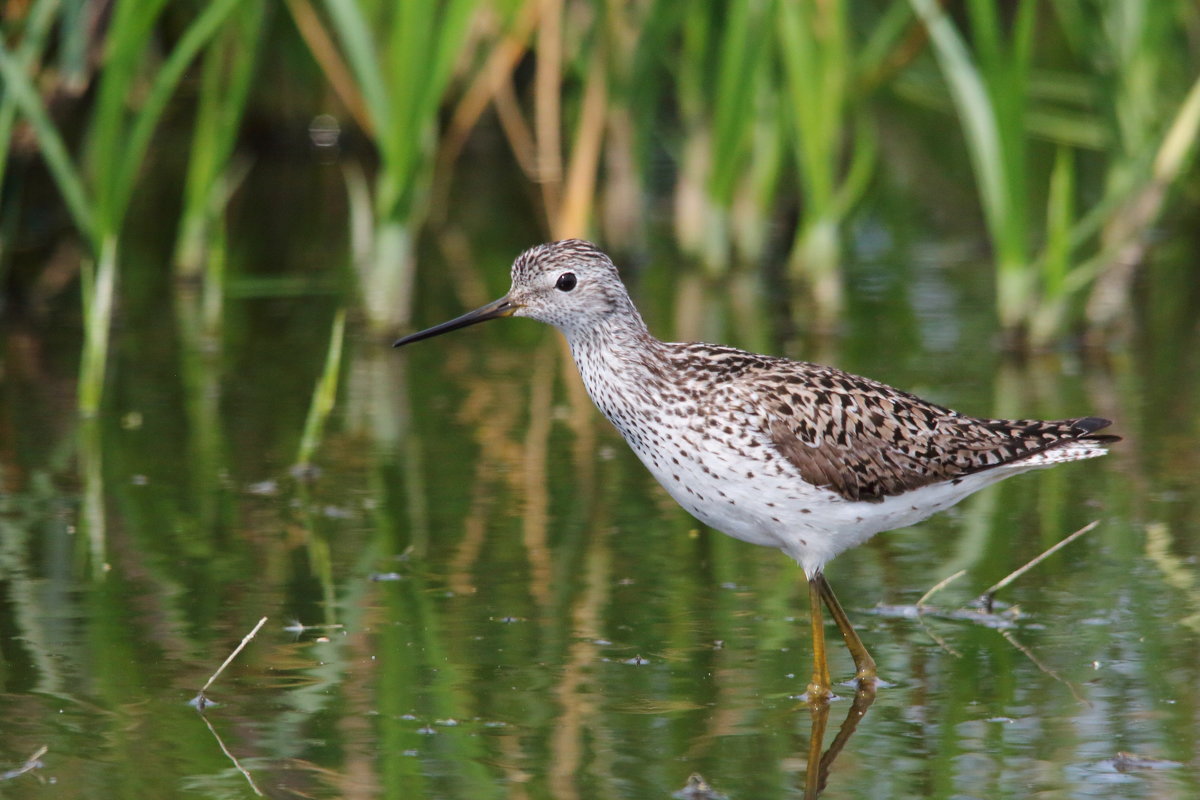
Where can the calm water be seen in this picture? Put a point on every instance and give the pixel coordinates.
(479, 592)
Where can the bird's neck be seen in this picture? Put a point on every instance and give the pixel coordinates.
(618, 359)
(617, 334)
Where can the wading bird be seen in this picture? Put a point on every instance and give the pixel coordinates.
(775, 452)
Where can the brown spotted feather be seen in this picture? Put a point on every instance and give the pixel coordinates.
(863, 439)
(780, 453)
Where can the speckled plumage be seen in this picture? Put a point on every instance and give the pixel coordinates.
(789, 454)
(804, 457)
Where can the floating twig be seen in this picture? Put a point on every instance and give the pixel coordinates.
(937, 587)
(988, 596)
(299, 627)
(987, 616)
(31, 763)
(200, 700)
(975, 616)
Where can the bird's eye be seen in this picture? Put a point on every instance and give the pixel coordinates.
(566, 282)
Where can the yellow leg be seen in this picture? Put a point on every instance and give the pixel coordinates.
(814, 776)
(820, 690)
(863, 663)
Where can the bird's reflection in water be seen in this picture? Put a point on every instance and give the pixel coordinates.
(819, 763)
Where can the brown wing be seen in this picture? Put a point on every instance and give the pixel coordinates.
(867, 441)
(860, 438)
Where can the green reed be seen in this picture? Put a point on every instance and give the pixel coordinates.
(33, 41)
(721, 90)
(1147, 84)
(764, 107)
(97, 186)
(989, 91)
(1056, 257)
(325, 393)
(21, 96)
(226, 78)
(402, 57)
(834, 166)
(771, 99)
(1120, 101)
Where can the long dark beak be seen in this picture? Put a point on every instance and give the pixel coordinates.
(493, 310)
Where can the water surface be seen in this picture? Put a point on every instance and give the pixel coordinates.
(477, 591)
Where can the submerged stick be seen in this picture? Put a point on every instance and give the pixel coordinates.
(986, 599)
(990, 594)
(31, 763)
(1008, 636)
(943, 583)
(221, 743)
(200, 700)
(937, 587)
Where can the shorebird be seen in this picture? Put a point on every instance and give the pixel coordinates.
(788, 454)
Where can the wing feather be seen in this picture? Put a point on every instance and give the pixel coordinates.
(865, 440)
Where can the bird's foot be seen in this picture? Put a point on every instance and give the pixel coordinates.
(868, 682)
(818, 694)
(865, 677)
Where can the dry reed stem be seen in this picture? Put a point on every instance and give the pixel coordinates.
(327, 55)
(201, 700)
(31, 763)
(548, 104)
(572, 215)
(989, 595)
(516, 130)
(489, 82)
(937, 587)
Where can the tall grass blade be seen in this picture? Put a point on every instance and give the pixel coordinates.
(325, 394)
(1047, 319)
(426, 66)
(99, 290)
(92, 514)
(976, 114)
(20, 88)
(33, 41)
(990, 100)
(224, 88)
(325, 52)
(127, 37)
(77, 20)
(403, 58)
(1179, 144)
(818, 72)
(741, 58)
(198, 33)
(359, 48)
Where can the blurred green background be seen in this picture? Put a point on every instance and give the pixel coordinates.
(214, 216)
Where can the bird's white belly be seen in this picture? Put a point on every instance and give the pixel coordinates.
(736, 481)
(776, 508)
